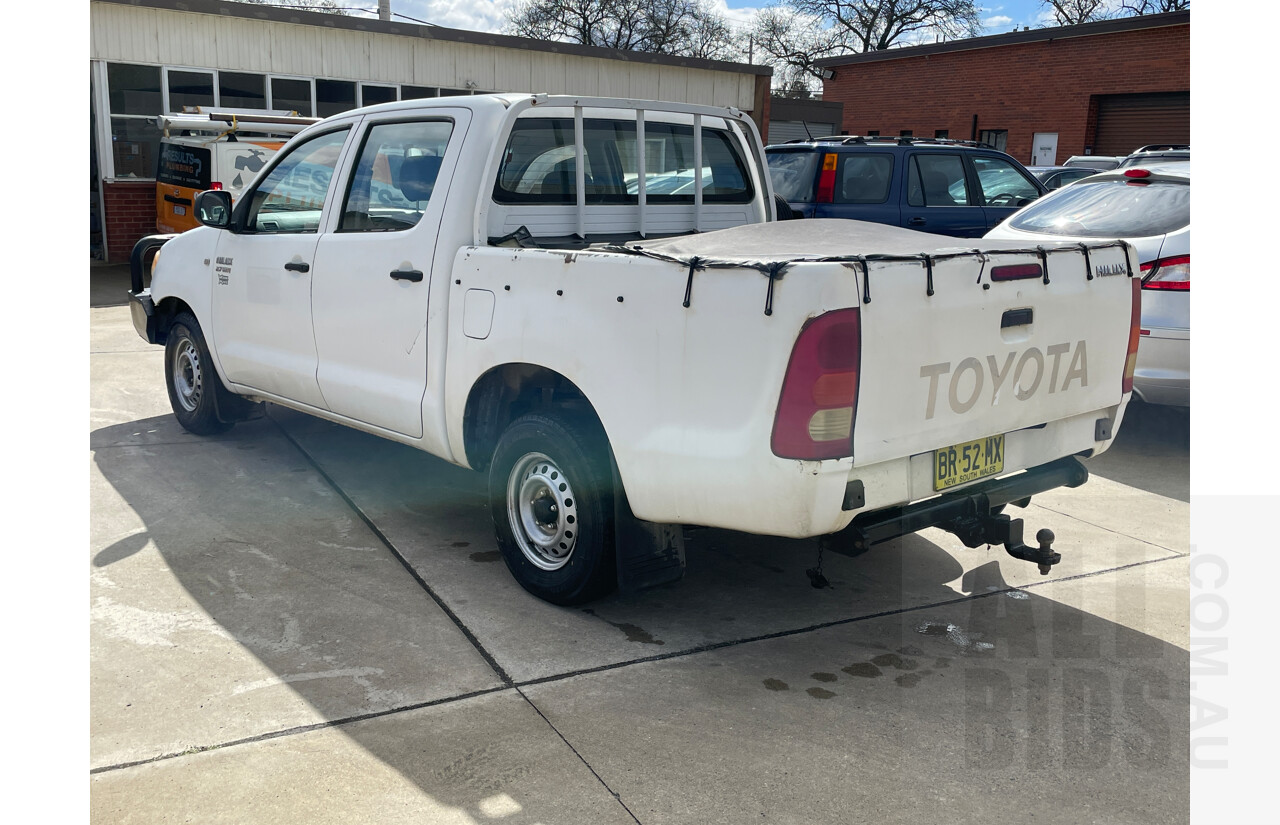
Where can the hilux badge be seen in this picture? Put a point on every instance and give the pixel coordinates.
(1103, 270)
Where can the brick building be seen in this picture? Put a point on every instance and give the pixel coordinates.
(1041, 95)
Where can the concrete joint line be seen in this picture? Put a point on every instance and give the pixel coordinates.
(570, 746)
(386, 542)
(1110, 530)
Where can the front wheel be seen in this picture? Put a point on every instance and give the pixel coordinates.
(191, 379)
(551, 496)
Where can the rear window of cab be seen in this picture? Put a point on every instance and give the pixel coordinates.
(539, 164)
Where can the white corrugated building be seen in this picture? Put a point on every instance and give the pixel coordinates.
(151, 57)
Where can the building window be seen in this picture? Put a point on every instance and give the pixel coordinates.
(454, 92)
(941, 134)
(417, 92)
(335, 96)
(241, 90)
(189, 89)
(905, 133)
(873, 133)
(134, 99)
(291, 94)
(370, 94)
(997, 138)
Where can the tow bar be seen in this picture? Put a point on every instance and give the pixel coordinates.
(971, 515)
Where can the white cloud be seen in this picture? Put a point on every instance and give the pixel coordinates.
(999, 21)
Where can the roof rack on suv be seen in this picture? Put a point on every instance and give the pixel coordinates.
(1162, 147)
(900, 140)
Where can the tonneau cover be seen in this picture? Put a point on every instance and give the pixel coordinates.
(771, 245)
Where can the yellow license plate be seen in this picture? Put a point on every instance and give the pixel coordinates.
(965, 462)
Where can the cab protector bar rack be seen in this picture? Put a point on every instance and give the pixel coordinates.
(733, 116)
(968, 515)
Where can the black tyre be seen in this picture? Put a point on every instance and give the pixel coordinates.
(551, 495)
(191, 379)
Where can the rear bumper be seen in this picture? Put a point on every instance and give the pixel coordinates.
(1163, 373)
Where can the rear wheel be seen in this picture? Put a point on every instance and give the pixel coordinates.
(190, 378)
(551, 496)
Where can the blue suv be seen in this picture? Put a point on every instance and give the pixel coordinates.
(941, 186)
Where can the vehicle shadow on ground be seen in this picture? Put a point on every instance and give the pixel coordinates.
(232, 521)
(1161, 437)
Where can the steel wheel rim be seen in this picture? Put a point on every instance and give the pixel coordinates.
(542, 510)
(188, 383)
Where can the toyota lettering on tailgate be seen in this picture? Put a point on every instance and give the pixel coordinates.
(1026, 372)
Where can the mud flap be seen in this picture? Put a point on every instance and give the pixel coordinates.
(648, 554)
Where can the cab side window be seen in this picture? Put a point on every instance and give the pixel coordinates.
(292, 197)
(935, 179)
(395, 176)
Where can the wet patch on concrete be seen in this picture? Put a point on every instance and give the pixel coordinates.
(634, 633)
(908, 680)
(461, 544)
(823, 677)
(819, 693)
(864, 669)
(894, 661)
(486, 555)
(776, 684)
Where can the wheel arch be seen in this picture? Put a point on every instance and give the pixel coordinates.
(166, 311)
(507, 391)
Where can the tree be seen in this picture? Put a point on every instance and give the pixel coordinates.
(795, 33)
(1075, 12)
(688, 28)
(1137, 8)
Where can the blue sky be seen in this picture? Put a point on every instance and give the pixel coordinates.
(490, 15)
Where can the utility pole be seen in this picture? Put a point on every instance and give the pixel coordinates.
(384, 10)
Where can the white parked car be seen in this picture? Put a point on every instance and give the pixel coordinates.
(1151, 209)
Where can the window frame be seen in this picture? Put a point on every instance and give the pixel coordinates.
(241, 213)
(350, 170)
(965, 172)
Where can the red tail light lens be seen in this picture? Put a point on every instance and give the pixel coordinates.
(820, 390)
(827, 180)
(1137, 173)
(1168, 273)
(1135, 334)
(216, 186)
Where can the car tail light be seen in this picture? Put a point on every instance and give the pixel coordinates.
(820, 390)
(1135, 334)
(1137, 173)
(1168, 273)
(827, 180)
(216, 186)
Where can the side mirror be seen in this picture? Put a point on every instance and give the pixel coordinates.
(213, 208)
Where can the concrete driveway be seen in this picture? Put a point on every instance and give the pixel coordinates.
(295, 622)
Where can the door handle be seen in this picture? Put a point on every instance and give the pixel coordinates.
(916, 222)
(406, 275)
(297, 266)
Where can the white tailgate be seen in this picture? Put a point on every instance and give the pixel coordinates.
(939, 370)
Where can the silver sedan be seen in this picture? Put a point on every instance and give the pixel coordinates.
(1150, 207)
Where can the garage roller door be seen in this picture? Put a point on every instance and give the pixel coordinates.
(1126, 122)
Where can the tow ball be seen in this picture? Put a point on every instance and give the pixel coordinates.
(997, 528)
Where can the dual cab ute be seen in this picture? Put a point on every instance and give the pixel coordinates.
(592, 301)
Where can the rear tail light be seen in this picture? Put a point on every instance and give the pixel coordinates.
(1135, 334)
(827, 180)
(820, 390)
(1168, 273)
(1137, 173)
(216, 186)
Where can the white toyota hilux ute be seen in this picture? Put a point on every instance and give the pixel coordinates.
(592, 301)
